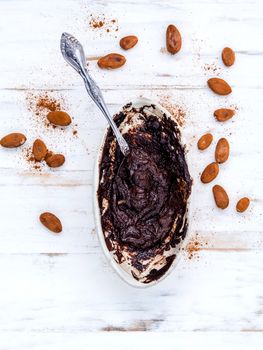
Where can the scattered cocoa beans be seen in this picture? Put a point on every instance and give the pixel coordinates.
(51, 222)
(59, 118)
(220, 196)
(228, 56)
(224, 114)
(210, 173)
(13, 140)
(128, 42)
(222, 151)
(111, 61)
(55, 160)
(173, 39)
(219, 86)
(242, 204)
(205, 141)
(39, 150)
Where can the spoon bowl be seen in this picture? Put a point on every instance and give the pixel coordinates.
(72, 52)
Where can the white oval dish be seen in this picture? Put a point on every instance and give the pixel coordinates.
(122, 269)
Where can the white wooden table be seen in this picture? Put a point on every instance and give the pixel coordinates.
(55, 290)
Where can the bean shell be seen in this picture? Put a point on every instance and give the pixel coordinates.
(221, 197)
(224, 114)
(60, 118)
(222, 151)
(173, 39)
(128, 42)
(111, 61)
(51, 222)
(242, 204)
(13, 140)
(55, 160)
(205, 141)
(228, 56)
(39, 150)
(210, 173)
(219, 86)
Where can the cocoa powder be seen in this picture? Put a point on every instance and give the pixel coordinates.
(33, 165)
(212, 68)
(101, 22)
(48, 102)
(194, 246)
(41, 104)
(177, 111)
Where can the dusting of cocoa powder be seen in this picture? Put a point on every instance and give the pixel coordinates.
(235, 107)
(75, 130)
(212, 68)
(49, 103)
(194, 246)
(178, 112)
(96, 24)
(192, 249)
(29, 157)
(163, 50)
(40, 104)
(101, 22)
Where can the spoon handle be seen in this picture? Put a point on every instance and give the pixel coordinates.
(73, 53)
(95, 93)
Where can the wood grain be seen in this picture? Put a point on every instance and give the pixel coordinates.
(56, 289)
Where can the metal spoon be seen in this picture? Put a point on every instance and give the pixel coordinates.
(73, 53)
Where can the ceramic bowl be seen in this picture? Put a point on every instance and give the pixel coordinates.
(123, 269)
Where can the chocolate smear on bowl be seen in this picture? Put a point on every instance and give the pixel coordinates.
(143, 197)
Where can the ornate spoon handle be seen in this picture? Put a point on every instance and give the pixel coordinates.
(73, 53)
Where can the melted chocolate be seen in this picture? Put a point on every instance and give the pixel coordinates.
(147, 191)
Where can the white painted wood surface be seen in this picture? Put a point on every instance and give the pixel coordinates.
(56, 289)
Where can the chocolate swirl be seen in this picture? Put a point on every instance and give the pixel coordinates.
(146, 191)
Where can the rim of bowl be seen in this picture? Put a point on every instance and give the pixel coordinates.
(139, 102)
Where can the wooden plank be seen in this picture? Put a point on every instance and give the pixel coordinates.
(80, 293)
(68, 191)
(145, 64)
(59, 288)
(116, 340)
